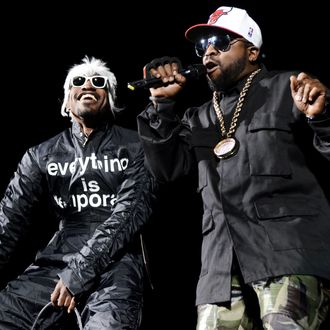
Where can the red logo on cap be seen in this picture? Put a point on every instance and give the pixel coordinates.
(217, 14)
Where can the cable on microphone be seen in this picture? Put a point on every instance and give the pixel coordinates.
(193, 71)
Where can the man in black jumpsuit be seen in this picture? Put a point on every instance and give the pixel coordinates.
(95, 179)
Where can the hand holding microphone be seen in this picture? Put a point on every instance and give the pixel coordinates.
(193, 71)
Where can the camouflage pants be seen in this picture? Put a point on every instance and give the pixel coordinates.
(284, 303)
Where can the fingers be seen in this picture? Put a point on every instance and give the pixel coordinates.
(165, 68)
(55, 294)
(166, 72)
(293, 85)
(72, 305)
(61, 297)
(309, 94)
(64, 298)
(306, 89)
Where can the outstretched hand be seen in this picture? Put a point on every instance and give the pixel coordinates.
(309, 94)
(61, 297)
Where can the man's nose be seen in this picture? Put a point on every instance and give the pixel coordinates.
(87, 84)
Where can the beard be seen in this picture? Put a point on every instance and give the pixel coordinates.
(91, 117)
(229, 76)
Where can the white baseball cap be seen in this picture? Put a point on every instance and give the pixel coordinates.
(231, 19)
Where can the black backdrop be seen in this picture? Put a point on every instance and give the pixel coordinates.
(40, 42)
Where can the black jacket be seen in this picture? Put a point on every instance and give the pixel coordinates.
(100, 192)
(264, 204)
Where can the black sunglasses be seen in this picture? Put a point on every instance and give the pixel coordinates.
(96, 81)
(221, 43)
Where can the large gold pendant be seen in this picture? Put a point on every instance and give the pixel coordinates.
(226, 148)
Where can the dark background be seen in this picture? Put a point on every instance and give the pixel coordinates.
(39, 43)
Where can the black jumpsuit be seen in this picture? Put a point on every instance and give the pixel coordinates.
(102, 195)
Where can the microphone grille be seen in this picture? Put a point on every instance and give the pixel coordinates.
(197, 70)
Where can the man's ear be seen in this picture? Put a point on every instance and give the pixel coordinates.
(68, 104)
(254, 53)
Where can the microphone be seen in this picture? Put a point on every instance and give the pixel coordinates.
(193, 71)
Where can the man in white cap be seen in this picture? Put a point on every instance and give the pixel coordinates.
(266, 248)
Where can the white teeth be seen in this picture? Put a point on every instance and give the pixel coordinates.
(88, 96)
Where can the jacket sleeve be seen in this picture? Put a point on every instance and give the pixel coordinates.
(321, 127)
(166, 141)
(16, 207)
(130, 212)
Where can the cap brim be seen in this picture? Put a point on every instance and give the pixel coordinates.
(198, 31)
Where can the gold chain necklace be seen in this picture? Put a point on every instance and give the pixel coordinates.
(228, 146)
